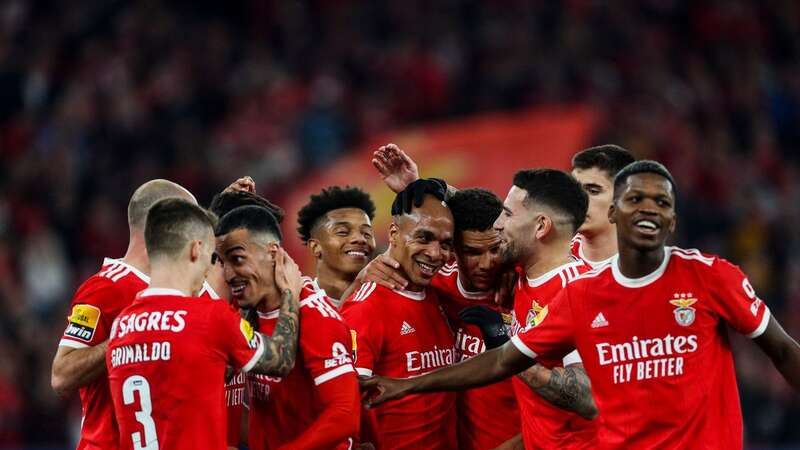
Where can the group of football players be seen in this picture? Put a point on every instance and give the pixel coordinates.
(557, 318)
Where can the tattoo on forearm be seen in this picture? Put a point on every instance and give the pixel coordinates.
(569, 388)
(280, 349)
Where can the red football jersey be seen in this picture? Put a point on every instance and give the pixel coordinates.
(282, 409)
(234, 402)
(656, 348)
(577, 251)
(543, 424)
(487, 416)
(166, 366)
(95, 305)
(404, 334)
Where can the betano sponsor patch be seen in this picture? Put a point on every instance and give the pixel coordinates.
(83, 322)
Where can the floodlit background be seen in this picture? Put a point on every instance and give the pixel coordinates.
(98, 96)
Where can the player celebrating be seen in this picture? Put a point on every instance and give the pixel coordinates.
(316, 405)
(241, 192)
(595, 169)
(650, 327)
(543, 209)
(80, 359)
(168, 350)
(336, 226)
(404, 333)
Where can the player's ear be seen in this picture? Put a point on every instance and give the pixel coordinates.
(673, 223)
(393, 232)
(543, 226)
(195, 249)
(315, 248)
(612, 212)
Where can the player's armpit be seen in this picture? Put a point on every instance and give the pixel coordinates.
(783, 350)
(566, 387)
(340, 417)
(280, 349)
(74, 368)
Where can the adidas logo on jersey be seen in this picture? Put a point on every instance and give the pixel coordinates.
(599, 321)
(406, 329)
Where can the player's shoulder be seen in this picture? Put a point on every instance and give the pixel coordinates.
(589, 273)
(694, 258)
(315, 305)
(448, 270)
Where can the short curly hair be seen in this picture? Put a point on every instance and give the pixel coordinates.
(227, 201)
(475, 209)
(330, 198)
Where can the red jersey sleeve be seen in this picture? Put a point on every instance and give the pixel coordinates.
(552, 334)
(368, 336)
(736, 301)
(241, 345)
(326, 342)
(89, 320)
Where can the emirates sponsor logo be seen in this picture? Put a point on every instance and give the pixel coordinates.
(422, 361)
(645, 359)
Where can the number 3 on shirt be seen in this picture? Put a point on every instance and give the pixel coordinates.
(139, 383)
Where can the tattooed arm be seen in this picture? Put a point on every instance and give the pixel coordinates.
(280, 349)
(566, 387)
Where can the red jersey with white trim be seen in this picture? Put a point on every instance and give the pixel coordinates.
(487, 416)
(95, 305)
(234, 402)
(282, 409)
(545, 425)
(166, 361)
(656, 348)
(576, 249)
(405, 334)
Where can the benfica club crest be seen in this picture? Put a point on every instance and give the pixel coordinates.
(684, 313)
(532, 320)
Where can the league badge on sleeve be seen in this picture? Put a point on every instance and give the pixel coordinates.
(684, 313)
(249, 335)
(83, 322)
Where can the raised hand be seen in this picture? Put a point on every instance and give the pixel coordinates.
(244, 184)
(489, 321)
(287, 274)
(383, 270)
(397, 169)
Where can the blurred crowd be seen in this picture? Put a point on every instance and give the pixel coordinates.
(99, 95)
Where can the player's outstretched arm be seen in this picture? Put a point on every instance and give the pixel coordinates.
(280, 349)
(486, 368)
(783, 351)
(76, 367)
(566, 387)
(338, 420)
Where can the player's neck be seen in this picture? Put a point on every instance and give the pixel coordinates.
(332, 282)
(547, 258)
(637, 264)
(165, 276)
(136, 255)
(271, 301)
(600, 247)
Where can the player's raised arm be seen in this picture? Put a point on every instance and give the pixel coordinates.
(280, 348)
(782, 350)
(395, 166)
(486, 368)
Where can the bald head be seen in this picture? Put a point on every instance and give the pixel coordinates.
(148, 195)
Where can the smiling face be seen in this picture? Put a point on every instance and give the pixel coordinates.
(516, 227)
(644, 212)
(248, 265)
(422, 242)
(343, 241)
(479, 255)
(599, 186)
